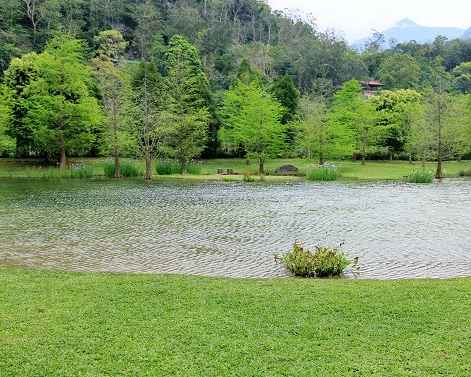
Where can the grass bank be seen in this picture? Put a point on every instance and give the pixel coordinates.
(373, 170)
(105, 324)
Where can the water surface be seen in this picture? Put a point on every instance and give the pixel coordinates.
(398, 230)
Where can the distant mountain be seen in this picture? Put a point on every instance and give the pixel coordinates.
(407, 30)
(467, 34)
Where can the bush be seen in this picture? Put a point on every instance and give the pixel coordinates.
(169, 167)
(465, 172)
(80, 170)
(126, 169)
(326, 172)
(248, 176)
(421, 176)
(323, 262)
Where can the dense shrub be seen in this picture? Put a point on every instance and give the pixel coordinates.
(323, 262)
(126, 169)
(169, 167)
(326, 172)
(80, 170)
(465, 172)
(421, 176)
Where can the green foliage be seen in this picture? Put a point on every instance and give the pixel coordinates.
(421, 176)
(248, 177)
(465, 172)
(169, 167)
(252, 119)
(325, 172)
(399, 72)
(287, 95)
(79, 170)
(323, 262)
(127, 169)
(187, 125)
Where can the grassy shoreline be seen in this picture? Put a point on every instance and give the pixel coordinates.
(107, 324)
(373, 170)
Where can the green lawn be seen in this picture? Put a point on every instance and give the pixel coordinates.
(373, 170)
(103, 324)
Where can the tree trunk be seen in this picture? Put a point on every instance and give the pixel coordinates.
(63, 162)
(321, 151)
(183, 163)
(117, 171)
(391, 154)
(459, 157)
(148, 174)
(423, 158)
(363, 152)
(260, 168)
(410, 154)
(439, 173)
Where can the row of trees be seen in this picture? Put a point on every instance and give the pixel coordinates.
(226, 31)
(58, 103)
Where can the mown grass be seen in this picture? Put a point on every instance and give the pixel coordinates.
(106, 324)
(373, 170)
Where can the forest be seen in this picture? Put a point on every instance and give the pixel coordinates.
(220, 78)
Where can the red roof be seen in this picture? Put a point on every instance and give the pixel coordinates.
(372, 83)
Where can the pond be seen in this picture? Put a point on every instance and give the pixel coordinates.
(398, 230)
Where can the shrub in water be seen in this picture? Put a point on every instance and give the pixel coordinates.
(326, 172)
(421, 176)
(322, 262)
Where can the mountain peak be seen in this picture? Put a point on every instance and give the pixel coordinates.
(406, 22)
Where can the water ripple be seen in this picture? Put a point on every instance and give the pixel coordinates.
(398, 230)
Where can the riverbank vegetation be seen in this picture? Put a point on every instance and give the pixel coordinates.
(95, 324)
(207, 169)
(195, 79)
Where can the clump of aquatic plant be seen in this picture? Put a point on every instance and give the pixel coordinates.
(325, 172)
(228, 179)
(168, 167)
(79, 170)
(322, 262)
(465, 172)
(421, 176)
(248, 176)
(126, 169)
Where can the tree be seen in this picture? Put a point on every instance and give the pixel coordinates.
(286, 93)
(151, 104)
(252, 117)
(189, 90)
(438, 106)
(115, 92)
(396, 113)
(399, 72)
(60, 110)
(21, 73)
(7, 144)
(352, 110)
(463, 76)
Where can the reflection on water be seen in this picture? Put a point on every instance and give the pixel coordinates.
(398, 230)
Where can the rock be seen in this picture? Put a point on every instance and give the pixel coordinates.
(286, 169)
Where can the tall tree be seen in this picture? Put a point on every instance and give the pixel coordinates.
(189, 89)
(438, 106)
(252, 117)
(19, 75)
(115, 93)
(354, 111)
(151, 104)
(286, 93)
(60, 109)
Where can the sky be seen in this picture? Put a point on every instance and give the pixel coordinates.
(356, 18)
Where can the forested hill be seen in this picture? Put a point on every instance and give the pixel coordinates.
(224, 32)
